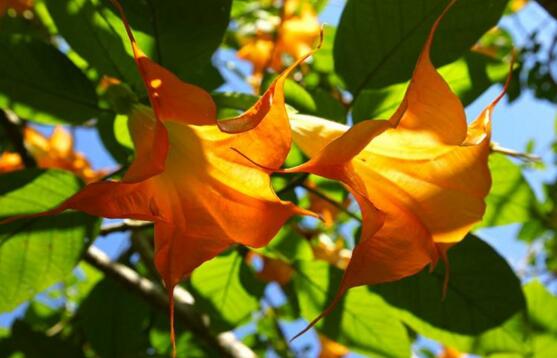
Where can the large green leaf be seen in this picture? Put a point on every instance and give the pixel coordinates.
(542, 310)
(98, 35)
(35, 190)
(360, 321)
(483, 311)
(180, 35)
(378, 42)
(226, 287)
(468, 77)
(115, 321)
(288, 245)
(511, 198)
(39, 83)
(187, 344)
(542, 307)
(36, 253)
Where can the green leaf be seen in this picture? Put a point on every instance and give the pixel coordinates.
(234, 100)
(298, 97)
(36, 253)
(468, 77)
(97, 35)
(39, 83)
(226, 287)
(35, 190)
(115, 321)
(187, 344)
(542, 307)
(113, 131)
(288, 246)
(327, 106)
(378, 42)
(34, 344)
(484, 309)
(187, 33)
(360, 321)
(41, 316)
(511, 198)
(179, 35)
(323, 60)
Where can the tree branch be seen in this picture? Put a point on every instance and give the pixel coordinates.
(15, 135)
(126, 225)
(226, 343)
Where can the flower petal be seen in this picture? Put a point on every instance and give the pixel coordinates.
(150, 140)
(171, 98)
(423, 172)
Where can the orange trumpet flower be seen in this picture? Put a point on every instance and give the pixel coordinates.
(297, 32)
(189, 177)
(420, 177)
(53, 152)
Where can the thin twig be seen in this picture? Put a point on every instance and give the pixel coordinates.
(331, 201)
(496, 148)
(225, 343)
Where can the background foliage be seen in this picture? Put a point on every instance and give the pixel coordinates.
(67, 63)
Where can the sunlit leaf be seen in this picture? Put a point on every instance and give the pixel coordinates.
(36, 253)
(362, 321)
(511, 199)
(226, 286)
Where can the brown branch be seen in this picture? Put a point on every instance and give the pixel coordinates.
(126, 225)
(15, 135)
(225, 343)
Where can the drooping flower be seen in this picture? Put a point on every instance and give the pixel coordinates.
(332, 252)
(297, 32)
(191, 176)
(420, 177)
(54, 152)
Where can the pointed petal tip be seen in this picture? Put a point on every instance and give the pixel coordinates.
(50, 212)
(170, 291)
(273, 96)
(305, 212)
(340, 293)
